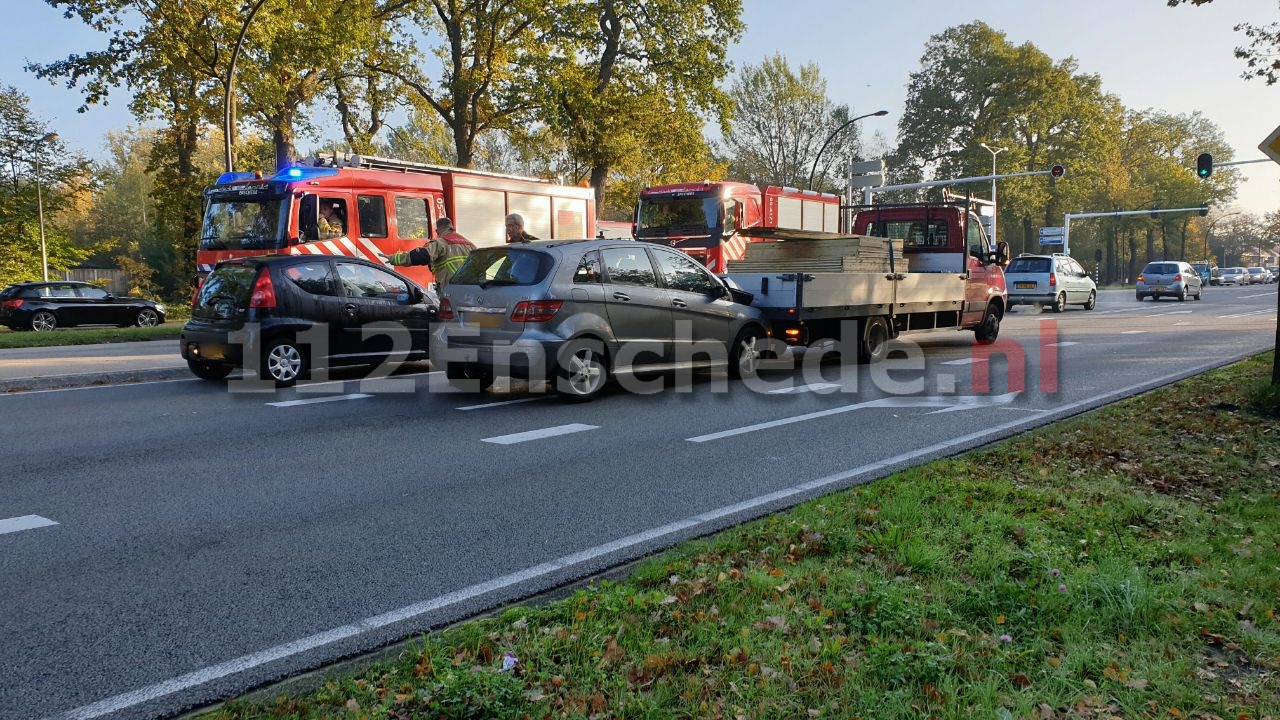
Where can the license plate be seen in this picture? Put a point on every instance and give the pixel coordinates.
(1158, 288)
(483, 320)
(1025, 285)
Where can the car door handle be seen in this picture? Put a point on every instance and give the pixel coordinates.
(680, 303)
(621, 296)
(349, 307)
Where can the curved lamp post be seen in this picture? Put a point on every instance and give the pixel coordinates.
(230, 86)
(44, 253)
(879, 113)
(995, 209)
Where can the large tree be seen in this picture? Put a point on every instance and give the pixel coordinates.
(782, 120)
(27, 148)
(632, 82)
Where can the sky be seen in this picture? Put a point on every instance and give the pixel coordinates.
(1179, 60)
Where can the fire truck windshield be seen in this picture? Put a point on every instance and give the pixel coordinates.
(678, 215)
(242, 224)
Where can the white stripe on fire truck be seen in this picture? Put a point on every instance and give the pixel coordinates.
(328, 248)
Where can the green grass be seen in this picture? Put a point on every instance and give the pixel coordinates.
(1112, 565)
(87, 336)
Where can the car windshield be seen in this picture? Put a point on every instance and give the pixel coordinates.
(503, 266)
(244, 225)
(679, 214)
(1029, 265)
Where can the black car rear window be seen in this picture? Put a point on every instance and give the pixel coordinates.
(504, 266)
(1029, 265)
(1161, 268)
(10, 292)
(228, 281)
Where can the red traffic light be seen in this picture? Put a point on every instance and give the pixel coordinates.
(1057, 171)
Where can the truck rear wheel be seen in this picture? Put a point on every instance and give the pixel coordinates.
(875, 340)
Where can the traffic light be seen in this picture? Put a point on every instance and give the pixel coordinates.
(1057, 171)
(1204, 165)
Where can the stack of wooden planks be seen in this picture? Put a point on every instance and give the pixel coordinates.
(849, 253)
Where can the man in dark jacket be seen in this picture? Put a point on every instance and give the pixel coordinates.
(515, 230)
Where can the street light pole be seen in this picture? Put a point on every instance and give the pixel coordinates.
(1209, 233)
(832, 136)
(44, 252)
(230, 85)
(995, 209)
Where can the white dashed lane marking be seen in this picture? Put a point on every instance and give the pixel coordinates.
(313, 401)
(25, 522)
(539, 434)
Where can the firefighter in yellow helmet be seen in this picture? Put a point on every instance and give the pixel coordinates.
(444, 254)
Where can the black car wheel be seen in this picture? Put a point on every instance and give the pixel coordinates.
(205, 371)
(582, 371)
(147, 317)
(746, 353)
(284, 362)
(44, 321)
(1060, 302)
(1092, 302)
(1182, 295)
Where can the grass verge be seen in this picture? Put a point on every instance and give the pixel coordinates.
(87, 336)
(1125, 563)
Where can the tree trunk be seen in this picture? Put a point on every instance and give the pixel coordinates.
(1028, 232)
(282, 137)
(598, 175)
(1151, 244)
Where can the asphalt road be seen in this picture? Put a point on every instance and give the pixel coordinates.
(170, 544)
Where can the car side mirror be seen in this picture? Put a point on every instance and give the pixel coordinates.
(109, 297)
(416, 295)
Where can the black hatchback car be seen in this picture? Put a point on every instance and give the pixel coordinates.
(283, 316)
(44, 306)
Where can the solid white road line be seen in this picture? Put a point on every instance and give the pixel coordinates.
(812, 387)
(1248, 314)
(314, 401)
(1246, 297)
(501, 403)
(133, 698)
(963, 361)
(947, 403)
(1134, 332)
(539, 434)
(1068, 343)
(25, 522)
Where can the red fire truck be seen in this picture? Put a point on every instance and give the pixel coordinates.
(712, 221)
(362, 206)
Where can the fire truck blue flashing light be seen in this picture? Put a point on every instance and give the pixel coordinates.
(230, 177)
(305, 173)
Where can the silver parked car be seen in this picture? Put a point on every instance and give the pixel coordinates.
(579, 312)
(1055, 280)
(1259, 275)
(1235, 276)
(1169, 279)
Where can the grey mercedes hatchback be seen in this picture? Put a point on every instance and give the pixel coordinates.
(577, 313)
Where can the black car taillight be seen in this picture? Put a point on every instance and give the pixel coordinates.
(264, 293)
(446, 310)
(11, 304)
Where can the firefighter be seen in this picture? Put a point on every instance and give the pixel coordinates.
(515, 230)
(444, 254)
(330, 225)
